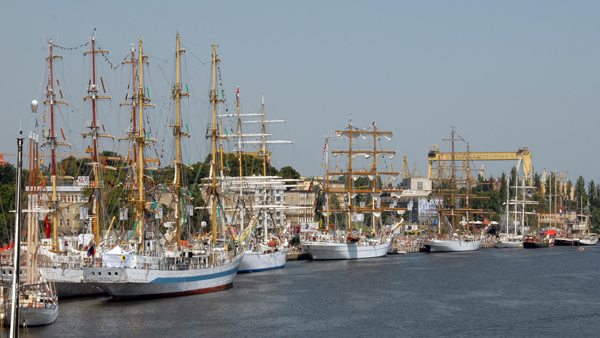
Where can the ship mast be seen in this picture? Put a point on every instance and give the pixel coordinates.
(139, 143)
(141, 201)
(133, 130)
(177, 94)
(213, 135)
(350, 180)
(32, 219)
(94, 126)
(327, 180)
(264, 137)
(51, 140)
(133, 119)
(374, 182)
(350, 132)
(14, 318)
(239, 150)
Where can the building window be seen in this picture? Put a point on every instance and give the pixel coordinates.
(419, 185)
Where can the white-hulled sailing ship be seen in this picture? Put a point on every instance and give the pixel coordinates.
(334, 242)
(261, 252)
(65, 263)
(35, 298)
(515, 240)
(152, 269)
(259, 196)
(454, 208)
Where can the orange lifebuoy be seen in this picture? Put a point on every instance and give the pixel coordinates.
(98, 264)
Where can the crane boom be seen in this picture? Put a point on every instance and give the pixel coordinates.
(522, 154)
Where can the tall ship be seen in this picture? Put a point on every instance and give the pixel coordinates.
(151, 266)
(68, 255)
(256, 201)
(32, 301)
(452, 196)
(344, 235)
(518, 209)
(257, 196)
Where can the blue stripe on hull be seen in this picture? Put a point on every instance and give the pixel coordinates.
(265, 269)
(194, 278)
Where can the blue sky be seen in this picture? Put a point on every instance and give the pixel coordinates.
(505, 74)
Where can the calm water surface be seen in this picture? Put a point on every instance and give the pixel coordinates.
(491, 292)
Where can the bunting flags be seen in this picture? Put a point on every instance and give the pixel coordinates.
(71, 48)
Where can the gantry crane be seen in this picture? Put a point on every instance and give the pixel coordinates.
(521, 154)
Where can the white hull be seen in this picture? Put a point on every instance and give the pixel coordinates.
(34, 316)
(257, 261)
(124, 283)
(69, 282)
(508, 244)
(588, 241)
(453, 246)
(326, 250)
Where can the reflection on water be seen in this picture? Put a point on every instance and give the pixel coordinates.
(492, 292)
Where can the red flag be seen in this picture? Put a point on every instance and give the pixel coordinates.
(237, 93)
(48, 227)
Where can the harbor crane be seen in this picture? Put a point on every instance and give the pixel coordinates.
(522, 154)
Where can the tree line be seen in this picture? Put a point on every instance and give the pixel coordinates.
(115, 181)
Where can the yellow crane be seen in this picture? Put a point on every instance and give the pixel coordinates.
(521, 154)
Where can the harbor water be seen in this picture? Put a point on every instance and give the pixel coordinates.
(491, 292)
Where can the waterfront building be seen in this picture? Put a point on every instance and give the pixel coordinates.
(70, 198)
(301, 199)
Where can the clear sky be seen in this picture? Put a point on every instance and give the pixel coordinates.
(504, 73)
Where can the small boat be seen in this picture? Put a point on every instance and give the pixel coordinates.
(255, 261)
(452, 245)
(395, 250)
(581, 249)
(38, 305)
(509, 242)
(263, 257)
(591, 239)
(531, 242)
(566, 241)
(358, 250)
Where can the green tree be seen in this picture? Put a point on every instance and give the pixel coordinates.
(288, 173)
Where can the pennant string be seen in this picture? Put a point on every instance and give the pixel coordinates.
(70, 48)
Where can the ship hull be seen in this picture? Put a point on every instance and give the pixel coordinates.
(508, 245)
(331, 251)
(566, 241)
(70, 283)
(588, 241)
(535, 245)
(258, 261)
(131, 283)
(34, 316)
(452, 246)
